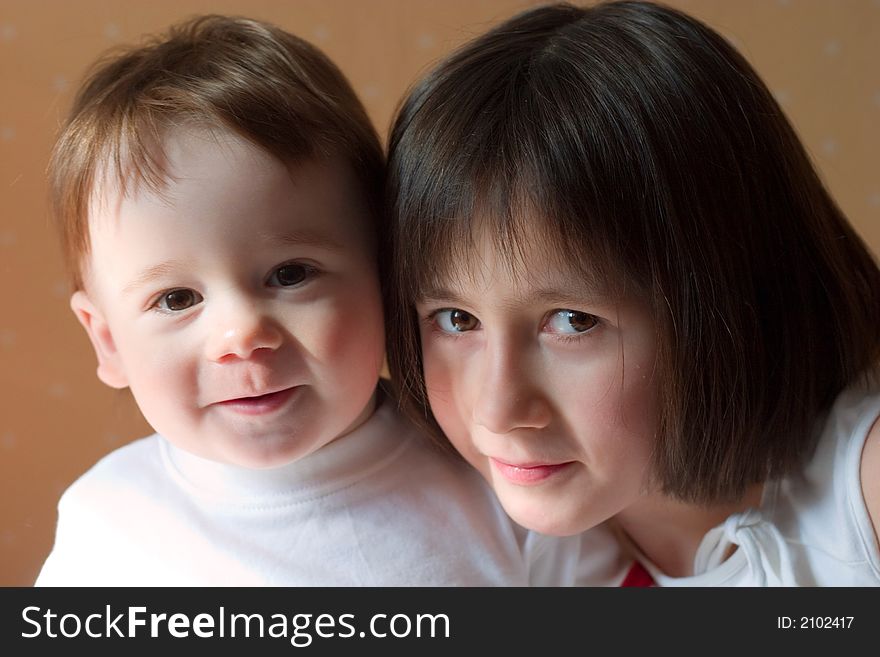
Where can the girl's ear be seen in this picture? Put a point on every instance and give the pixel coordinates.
(110, 369)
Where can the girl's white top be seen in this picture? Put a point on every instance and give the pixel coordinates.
(811, 529)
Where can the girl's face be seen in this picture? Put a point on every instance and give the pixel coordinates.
(543, 385)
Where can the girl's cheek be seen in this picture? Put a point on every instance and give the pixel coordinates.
(438, 380)
(445, 382)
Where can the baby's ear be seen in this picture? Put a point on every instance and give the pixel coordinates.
(110, 369)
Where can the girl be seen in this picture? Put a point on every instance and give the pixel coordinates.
(623, 294)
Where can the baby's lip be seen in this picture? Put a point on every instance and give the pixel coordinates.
(253, 398)
(256, 405)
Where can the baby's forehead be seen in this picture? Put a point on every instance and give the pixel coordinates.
(158, 169)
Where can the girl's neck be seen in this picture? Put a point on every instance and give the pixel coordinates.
(669, 532)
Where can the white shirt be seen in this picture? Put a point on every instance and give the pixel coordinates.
(378, 507)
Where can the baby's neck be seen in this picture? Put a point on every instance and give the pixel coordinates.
(668, 532)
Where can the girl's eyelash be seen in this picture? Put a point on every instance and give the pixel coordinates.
(573, 338)
(430, 319)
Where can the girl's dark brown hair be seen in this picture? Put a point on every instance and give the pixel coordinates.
(221, 72)
(653, 157)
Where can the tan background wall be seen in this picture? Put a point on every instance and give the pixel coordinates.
(821, 59)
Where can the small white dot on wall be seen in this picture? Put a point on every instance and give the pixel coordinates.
(112, 439)
(832, 48)
(8, 32)
(321, 33)
(7, 338)
(8, 441)
(426, 41)
(7, 133)
(830, 146)
(60, 83)
(371, 91)
(112, 31)
(58, 391)
(8, 238)
(874, 200)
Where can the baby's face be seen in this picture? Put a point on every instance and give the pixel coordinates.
(241, 304)
(542, 385)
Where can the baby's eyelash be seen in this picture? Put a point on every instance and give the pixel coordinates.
(188, 298)
(309, 272)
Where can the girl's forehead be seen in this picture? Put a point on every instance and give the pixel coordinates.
(529, 266)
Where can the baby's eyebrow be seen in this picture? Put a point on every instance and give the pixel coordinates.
(151, 274)
(305, 237)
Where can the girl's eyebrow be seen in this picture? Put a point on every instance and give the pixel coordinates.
(573, 294)
(434, 294)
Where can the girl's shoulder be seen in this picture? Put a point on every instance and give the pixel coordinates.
(844, 469)
(833, 506)
(847, 430)
(870, 476)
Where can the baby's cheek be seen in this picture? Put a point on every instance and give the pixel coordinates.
(343, 330)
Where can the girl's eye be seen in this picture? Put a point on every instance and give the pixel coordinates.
(571, 321)
(177, 300)
(452, 320)
(289, 274)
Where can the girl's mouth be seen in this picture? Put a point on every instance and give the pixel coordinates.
(528, 474)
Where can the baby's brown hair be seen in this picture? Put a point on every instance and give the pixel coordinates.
(228, 73)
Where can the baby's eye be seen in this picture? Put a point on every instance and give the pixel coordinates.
(177, 300)
(289, 274)
(452, 320)
(571, 321)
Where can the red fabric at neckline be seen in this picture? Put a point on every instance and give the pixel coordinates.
(638, 576)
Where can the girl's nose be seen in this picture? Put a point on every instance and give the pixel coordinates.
(510, 395)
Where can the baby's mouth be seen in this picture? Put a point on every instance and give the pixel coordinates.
(260, 404)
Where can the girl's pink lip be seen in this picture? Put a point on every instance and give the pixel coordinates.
(526, 475)
(259, 405)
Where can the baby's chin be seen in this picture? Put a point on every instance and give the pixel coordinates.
(252, 452)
